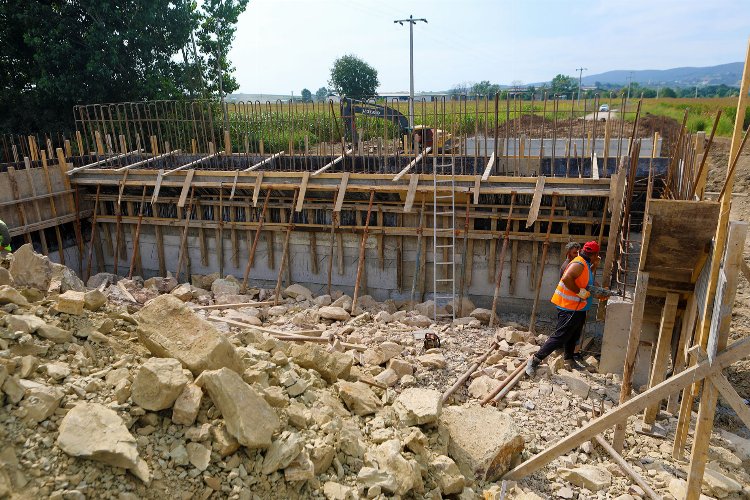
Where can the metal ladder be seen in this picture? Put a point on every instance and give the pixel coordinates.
(444, 239)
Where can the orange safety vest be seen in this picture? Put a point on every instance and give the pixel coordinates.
(564, 297)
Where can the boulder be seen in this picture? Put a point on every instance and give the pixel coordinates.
(576, 383)
(482, 385)
(717, 484)
(432, 360)
(358, 397)
(64, 279)
(249, 418)
(158, 383)
(195, 342)
(406, 473)
(100, 279)
(387, 377)
(5, 278)
(93, 431)
(93, 300)
(301, 469)
(588, 476)
(54, 333)
(331, 365)
(371, 477)
(401, 367)
(449, 477)
(29, 269)
(479, 453)
(184, 292)
(418, 321)
(41, 402)
(70, 302)
(483, 315)
(344, 302)
(740, 445)
(337, 491)
(322, 300)
(9, 295)
(463, 306)
(204, 281)
(426, 308)
(417, 406)
(382, 353)
(282, 451)
(199, 455)
(296, 290)
(25, 323)
(678, 489)
(225, 287)
(187, 404)
(334, 313)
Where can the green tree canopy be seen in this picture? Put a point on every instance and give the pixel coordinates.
(562, 84)
(352, 77)
(59, 53)
(667, 92)
(321, 94)
(306, 95)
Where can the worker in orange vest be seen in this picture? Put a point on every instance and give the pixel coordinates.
(572, 300)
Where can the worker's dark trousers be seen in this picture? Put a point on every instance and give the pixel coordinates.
(568, 331)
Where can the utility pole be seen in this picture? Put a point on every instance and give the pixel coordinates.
(221, 83)
(411, 22)
(580, 77)
(630, 81)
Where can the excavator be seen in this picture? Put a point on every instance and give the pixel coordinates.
(421, 136)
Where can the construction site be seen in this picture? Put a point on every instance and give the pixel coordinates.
(255, 300)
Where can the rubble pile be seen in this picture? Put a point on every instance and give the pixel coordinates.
(132, 389)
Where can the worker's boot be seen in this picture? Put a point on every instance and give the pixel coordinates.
(531, 365)
(571, 364)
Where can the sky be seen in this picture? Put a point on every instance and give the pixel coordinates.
(283, 46)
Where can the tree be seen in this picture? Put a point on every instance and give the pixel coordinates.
(668, 92)
(306, 95)
(485, 89)
(321, 94)
(562, 84)
(352, 77)
(60, 53)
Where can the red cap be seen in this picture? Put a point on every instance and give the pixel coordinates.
(592, 248)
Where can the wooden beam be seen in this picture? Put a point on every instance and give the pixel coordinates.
(336, 161)
(194, 163)
(733, 353)
(256, 188)
(63, 166)
(726, 390)
(663, 347)
(412, 163)
(234, 184)
(157, 186)
(147, 161)
(627, 469)
(53, 207)
(488, 168)
(341, 192)
(263, 162)
(686, 338)
(476, 189)
(302, 191)
(185, 188)
(19, 206)
(536, 201)
(411, 193)
(634, 340)
(103, 162)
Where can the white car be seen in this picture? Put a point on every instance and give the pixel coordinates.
(604, 108)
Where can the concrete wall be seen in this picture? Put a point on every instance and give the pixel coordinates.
(380, 283)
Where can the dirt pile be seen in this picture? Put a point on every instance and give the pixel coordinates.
(161, 390)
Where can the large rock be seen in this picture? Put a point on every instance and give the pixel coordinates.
(71, 302)
(588, 476)
(249, 418)
(331, 365)
(54, 333)
(25, 323)
(93, 431)
(41, 402)
(94, 300)
(483, 441)
(9, 295)
(5, 278)
(717, 484)
(158, 383)
(449, 477)
(100, 279)
(432, 360)
(225, 287)
(64, 279)
(740, 445)
(678, 489)
(382, 353)
(196, 343)
(482, 385)
(282, 451)
(483, 315)
(388, 458)
(417, 406)
(187, 405)
(334, 313)
(29, 269)
(576, 383)
(358, 397)
(296, 291)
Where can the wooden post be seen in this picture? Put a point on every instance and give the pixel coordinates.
(92, 240)
(285, 254)
(615, 204)
(663, 346)
(686, 337)
(19, 206)
(53, 208)
(506, 239)
(63, 166)
(636, 321)
(418, 259)
(136, 240)
(183, 240)
(361, 262)
(251, 255)
(35, 203)
(464, 263)
(545, 249)
(333, 239)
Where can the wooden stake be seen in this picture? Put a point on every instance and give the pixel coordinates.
(418, 259)
(663, 346)
(285, 254)
(183, 240)
(136, 240)
(626, 468)
(463, 264)
(333, 238)
(92, 241)
(251, 255)
(361, 262)
(545, 248)
(504, 248)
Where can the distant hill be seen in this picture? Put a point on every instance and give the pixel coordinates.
(727, 74)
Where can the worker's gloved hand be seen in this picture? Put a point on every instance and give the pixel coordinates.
(584, 294)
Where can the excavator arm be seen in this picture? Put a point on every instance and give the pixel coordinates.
(350, 108)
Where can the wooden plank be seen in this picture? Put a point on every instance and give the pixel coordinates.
(53, 207)
(302, 191)
(35, 203)
(626, 468)
(263, 162)
(615, 204)
(148, 160)
(103, 162)
(535, 202)
(663, 347)
(160, 250)
(477, 182)
(412, 163)
(594, 167)
(19, 206)
(157, 186)
(488, 168)
(686, 338)
(341, 192)
(194, 163)
(727, 392)
(733, 353)
(336, 161)
(411, 192)
(234, 184)
(256, 189)
(185, 188)
(634, 339)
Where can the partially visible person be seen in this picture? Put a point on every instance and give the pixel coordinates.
(571, 252)
(4, 238)
(572, 300)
